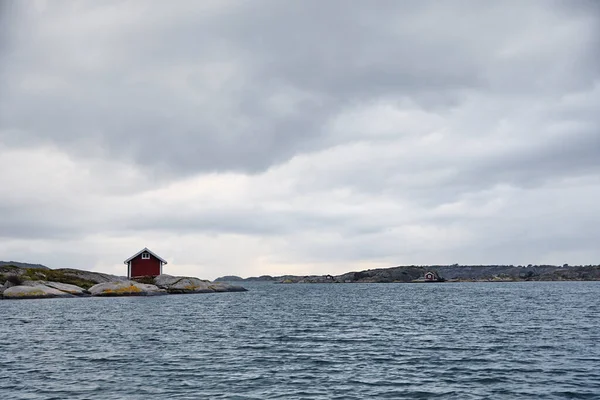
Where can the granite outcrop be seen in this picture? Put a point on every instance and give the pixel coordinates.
(19, 283)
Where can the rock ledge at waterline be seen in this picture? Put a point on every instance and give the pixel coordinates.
(162, 285)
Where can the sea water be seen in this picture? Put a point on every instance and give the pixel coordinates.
(530, 340)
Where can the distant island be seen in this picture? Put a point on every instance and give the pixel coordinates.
(447, 273)
(32, 281)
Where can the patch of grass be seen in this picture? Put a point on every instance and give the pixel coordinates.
(56, 276)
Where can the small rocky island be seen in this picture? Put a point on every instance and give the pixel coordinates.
(25, 281)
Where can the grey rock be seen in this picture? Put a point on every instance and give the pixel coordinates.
(67, 288)
(96, 277)
(229, 278)
(184, 284)
(33, 292)
(164, 280)
(63, 287)
(32, 283)
(125, 288)
(5, 286)
(225, 287)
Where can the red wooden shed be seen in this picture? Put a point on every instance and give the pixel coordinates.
(144, 263)
(432, 276)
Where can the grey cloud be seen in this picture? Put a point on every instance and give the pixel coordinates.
(123, 106)
(174, 90)
(31, 222)
(572, 156)
(238, 220)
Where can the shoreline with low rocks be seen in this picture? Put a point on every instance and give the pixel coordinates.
(446, 273)
(21, 283)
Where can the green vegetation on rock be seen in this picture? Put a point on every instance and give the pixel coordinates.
(56, 275)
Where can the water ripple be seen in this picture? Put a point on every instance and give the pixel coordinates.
(397, 341)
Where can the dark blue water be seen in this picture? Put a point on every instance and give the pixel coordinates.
(347, 341)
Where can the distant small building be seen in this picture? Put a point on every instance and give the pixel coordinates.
(144, 263)
(432, 276)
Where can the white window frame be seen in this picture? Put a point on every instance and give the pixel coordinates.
(145, 256)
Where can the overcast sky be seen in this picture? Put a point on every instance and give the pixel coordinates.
(301, 137)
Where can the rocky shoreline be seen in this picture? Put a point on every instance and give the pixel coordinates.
(447, 273)
(21, 283)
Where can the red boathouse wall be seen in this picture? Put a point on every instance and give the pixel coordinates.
(148, 267)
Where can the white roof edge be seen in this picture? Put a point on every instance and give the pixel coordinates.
(145, 249)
